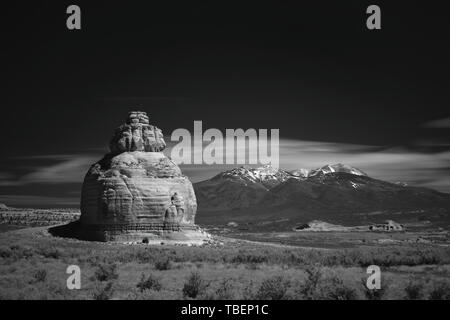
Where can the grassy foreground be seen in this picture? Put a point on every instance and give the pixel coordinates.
(33, 266)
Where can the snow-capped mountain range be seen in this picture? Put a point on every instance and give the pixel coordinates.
(270, 177)
(331, 189)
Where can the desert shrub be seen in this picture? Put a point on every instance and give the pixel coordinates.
(149, 283)
(194, 286)
(40, 275)
(5, 252)
(252, 266)
(106, 272)
(375, 294)
(16, 252)
(163, 263)
(225, 290)
(133, 255)
(249, 257)
(413, 290)
(316, 286)
(334, 288)
(440, 291)
(49, 252)
(103, 292)
(273, 288)
(248, 292)
(92, 260)
(58, 291)
(309, 289)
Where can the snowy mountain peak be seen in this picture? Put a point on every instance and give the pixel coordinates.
(339, 167)
(300, 173)
(267, 175)
(266, 170)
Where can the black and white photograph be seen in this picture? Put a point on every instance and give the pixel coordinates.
(201, 152)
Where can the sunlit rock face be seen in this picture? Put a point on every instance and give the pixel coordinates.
(136, 187)
(136, 192)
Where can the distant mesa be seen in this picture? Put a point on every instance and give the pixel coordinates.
(136, 193)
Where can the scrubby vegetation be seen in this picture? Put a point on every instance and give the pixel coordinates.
(375, 294)
(103, 291)
(414, 290)
(149, 283)
(106, 272)
(40, 275)
(194, 286)
(273, 288)
(34, 267)
(440, 291)
(163, 263)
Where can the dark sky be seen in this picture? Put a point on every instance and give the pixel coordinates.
(313, 71)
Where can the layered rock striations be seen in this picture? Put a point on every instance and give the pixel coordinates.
(136, 193)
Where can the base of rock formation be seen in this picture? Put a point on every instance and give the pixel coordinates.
(146, 234)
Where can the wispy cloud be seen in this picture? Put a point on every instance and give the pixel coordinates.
(71, 170)
(67, 169)
(438, 123)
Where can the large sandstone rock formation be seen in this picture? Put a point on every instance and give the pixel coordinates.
(136, 193)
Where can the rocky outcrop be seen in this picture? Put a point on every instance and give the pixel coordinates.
(136, 188)
(135, 192)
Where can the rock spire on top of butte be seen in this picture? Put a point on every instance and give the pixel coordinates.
(137, 134)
